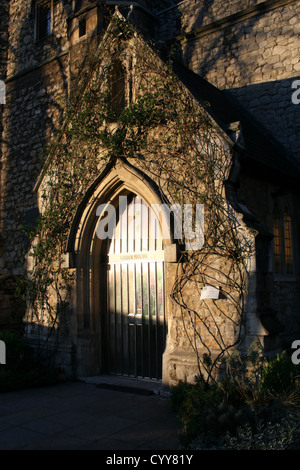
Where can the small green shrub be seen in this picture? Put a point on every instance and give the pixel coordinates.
(259, 436)
(207, 409)
(262, 436)
(256, 402)
(22, 370)
(279, 375)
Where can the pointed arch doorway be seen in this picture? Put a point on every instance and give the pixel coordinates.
(133, 319)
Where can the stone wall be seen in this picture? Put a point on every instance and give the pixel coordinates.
(25, 51)
(180, 354)
(12, 309)
(254, 59)
(277, 294)
(37, 90)
(248, 48)
(3, 37)
(3, 64)
(32, 114)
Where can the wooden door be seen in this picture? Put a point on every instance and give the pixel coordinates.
(135, 317)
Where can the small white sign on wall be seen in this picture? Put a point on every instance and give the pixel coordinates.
(210, 292)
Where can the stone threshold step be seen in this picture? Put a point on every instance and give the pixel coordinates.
(125, 384)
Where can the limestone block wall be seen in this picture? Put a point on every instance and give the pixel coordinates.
(254, 57)
(3, 62)
(25, 51)
(250, 49)
(194, 14)
(32, 115)
(3, 37)
(37, 87)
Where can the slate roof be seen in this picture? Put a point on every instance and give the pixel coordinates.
(261, 154)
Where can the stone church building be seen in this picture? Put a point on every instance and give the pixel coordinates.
(150, 175)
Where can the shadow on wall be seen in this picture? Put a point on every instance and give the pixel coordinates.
(32, 112)
(36, 98)
(236, 54)
(222, 43)
(11, 308)
(30, 115)
(271, 103)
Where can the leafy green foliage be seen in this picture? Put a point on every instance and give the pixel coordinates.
(262, 436)
(207, 409)
(253, 407)
(280, 375)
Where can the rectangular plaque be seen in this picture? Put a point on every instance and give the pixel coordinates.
(135, 257)
(210, 292)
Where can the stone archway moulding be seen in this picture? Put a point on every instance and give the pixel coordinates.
(117, 178)
(84, 251)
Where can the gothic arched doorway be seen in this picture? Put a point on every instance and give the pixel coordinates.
(133, 321)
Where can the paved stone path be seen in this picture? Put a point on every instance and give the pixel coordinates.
(79, 415)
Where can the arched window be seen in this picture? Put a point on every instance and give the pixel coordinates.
(43, 18)
(117, 87)
(277, 240)
(82, 27)
(288, 243)
(283, 241)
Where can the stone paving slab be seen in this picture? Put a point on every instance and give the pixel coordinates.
(81, 415)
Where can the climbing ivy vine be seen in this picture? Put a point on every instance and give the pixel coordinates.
(163, 131)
